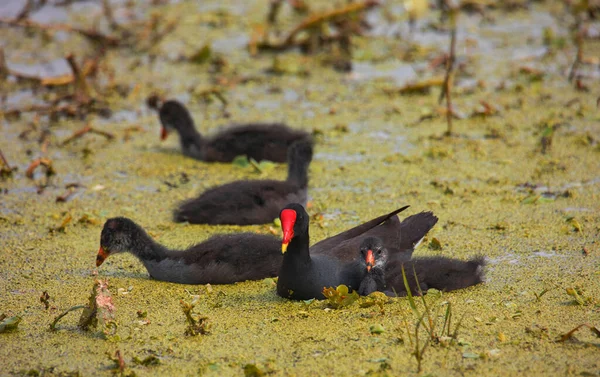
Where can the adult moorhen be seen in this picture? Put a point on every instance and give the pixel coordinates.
(256, 140)
(222, 259)
(249, 202)
(305, 272)
(444, 274)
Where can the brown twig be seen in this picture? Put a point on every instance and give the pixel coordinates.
(24, 13)
(40, 109)
(87, 129)
(66, 196)
(446, 88)
(318, 19)
(567, 336)
(274, 6)
(5, 168)
(259, 41)
(579, 55)
(82, 92)
(120, 361)
(4, 160)
(46, 162)
(92, 35)
(3, 67)
(108, 13)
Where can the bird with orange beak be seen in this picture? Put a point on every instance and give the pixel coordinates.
(373, 259)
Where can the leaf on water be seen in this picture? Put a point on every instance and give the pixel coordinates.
(577, 227)
(9, 323)
(241, 161)
(471, 355)
(147, 361)
(339, 297)
(420, 87)
(202, 55)
(251, 370)
(435, 244)
(376, 329)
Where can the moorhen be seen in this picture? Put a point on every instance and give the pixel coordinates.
(373, 258)
(305, 272)
(256, 140)
(249, 202)
(441, 273)
(222, 259)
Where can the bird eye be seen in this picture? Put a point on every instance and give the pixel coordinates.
(378, 251)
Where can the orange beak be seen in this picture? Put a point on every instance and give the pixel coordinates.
(163, 133)
(370, 259)
(102, 255)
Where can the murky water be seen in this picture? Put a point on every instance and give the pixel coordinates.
(375, 151)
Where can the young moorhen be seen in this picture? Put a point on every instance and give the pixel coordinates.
(305, 272)
(444, 274)
(255, 140)
(251, 201)
(373, 258)
(222, 259)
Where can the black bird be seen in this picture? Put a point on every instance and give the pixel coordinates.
(305, 272)
(222, 259)
(373, 259)
(255, 140)
(251, 201)
(441, 273)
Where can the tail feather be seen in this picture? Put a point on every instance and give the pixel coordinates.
(414, 228)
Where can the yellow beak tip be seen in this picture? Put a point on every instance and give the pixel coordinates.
(284, 247)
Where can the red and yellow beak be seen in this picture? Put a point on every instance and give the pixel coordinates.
(288, 220)
(287, 237)
(163, 133)
(370, 259)
(102, 255)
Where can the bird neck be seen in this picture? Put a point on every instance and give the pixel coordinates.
(189, 136)
(298, 250)
(146, 249)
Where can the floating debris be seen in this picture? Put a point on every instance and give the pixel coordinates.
(340, 297)
(195, 324)
(98, 313)
(9, 323)
(569, 335)
(45, 299)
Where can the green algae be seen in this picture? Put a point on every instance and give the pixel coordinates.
(387, 156)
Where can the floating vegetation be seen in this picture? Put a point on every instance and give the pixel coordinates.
(579, 296)
(569, 335)
(99, 313)
(340, 297)
(196, 324)
(9, 323)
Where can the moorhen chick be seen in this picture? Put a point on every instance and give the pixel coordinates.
(373, 258)
(222, 259)
(256, 140)
(305, 272)
(249, 202)
(441, 273)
